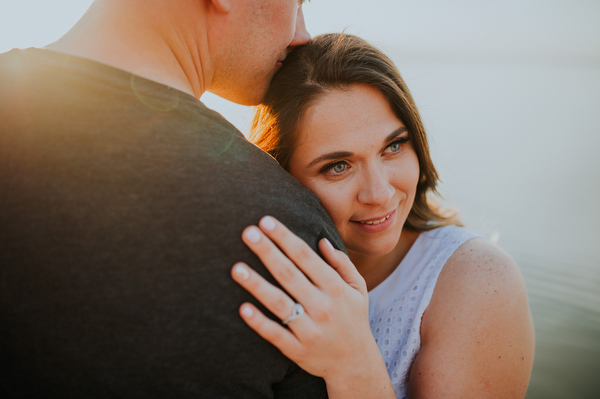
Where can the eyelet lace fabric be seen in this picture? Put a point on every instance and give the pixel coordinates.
(396, 306)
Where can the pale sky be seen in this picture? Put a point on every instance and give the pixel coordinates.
(526, 28)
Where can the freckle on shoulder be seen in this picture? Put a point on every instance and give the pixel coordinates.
(480, 261)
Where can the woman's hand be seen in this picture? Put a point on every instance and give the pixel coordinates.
(332, 338)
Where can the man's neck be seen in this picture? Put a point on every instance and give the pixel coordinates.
(139, 40)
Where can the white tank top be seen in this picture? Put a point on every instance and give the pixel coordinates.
(396, 306)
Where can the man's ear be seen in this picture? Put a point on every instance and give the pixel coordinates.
(223, 6)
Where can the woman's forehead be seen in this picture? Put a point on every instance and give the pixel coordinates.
(357, 113)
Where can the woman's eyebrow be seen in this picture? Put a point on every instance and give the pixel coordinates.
(395, 134)
(331, 155)
(344, 154)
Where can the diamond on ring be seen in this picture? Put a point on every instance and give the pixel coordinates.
(297, 311)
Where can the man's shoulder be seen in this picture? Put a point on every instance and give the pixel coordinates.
(234, 167)
(251, 184)
(8, 59)
(30, 60)
(11, 67)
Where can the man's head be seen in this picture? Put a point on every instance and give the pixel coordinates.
(248, 40)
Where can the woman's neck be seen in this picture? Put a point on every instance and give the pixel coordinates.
(375, 269)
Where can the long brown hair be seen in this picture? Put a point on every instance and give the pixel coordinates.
(335, 62)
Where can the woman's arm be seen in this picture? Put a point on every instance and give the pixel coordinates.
(332, 339)
(477, 333)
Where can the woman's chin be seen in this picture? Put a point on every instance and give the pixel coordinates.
(370, 250)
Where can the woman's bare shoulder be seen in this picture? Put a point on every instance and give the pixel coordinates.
(477, 333)
(479, 268)
(480, 279)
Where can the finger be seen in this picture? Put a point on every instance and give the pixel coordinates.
(299, 252)
(340, 262)
(273, 298)
(282, 338)
(282, 268)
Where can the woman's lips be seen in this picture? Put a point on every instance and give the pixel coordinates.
(375, 225)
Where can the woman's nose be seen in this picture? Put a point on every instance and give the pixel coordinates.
(376, 188)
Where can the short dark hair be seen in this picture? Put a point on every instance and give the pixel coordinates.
(337, 62)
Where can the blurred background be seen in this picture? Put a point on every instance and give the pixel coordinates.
(510, 94)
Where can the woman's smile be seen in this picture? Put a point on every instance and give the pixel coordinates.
(375, 225)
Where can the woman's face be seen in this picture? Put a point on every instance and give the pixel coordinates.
(354, 153)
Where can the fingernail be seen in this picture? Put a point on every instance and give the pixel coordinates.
(329, 244)
(268, 223)
(252, 234)
(241, 272)
(247, 311)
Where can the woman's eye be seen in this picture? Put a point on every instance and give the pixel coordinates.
(334, 168)
(338, 167)
(396, 146)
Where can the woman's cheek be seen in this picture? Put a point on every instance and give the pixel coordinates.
(337, 203)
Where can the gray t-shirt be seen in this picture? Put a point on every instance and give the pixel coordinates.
(122, 202)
